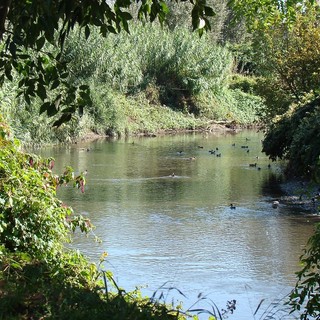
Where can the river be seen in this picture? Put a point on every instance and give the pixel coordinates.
(178, 231)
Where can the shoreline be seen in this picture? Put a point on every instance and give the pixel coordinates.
(301, 193)
(213, 126)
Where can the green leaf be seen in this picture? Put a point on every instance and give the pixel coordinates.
(41, 92)
(63, 119)
(52, 110)
(126, 15)
(111, 29)
(208, 11)
(84, 87)
(7, 72)
(64, 75)
(13, 49)
(87, 31)
(55, 84)
(40, 43)
(44, 107)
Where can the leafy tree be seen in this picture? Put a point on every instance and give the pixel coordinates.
(295, 137)
(284, 51)
(290, 54)
(27, 28)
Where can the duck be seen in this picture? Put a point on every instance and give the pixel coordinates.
(275, 204)
(252, 164)
(232, 207)
(172, 175)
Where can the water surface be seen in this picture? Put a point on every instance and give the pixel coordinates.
(179, 229)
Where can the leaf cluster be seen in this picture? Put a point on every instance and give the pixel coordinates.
(295, 137)
(290, 53)
(306, 295)
(33, 220)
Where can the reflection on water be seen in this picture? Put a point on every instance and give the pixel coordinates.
(157, 227)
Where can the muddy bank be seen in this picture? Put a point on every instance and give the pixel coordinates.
(304, 194)
(212, 126)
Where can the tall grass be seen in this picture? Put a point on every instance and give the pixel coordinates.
(149, 80)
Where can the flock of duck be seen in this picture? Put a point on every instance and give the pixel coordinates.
(217, 153)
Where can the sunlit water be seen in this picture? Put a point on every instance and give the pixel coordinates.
(180, 230)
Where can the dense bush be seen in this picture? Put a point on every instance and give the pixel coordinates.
(295, 137)
(306, 295)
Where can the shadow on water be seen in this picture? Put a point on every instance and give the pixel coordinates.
(272, 186)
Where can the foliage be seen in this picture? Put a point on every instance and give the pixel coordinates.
(289, 54)
(170, 68)
(182, 66)
(282, 53)
(151, 69)
(33, 220)
(180, 63)
(119, 115)
(295, 137)
(306, 295)
(276, 99)
(262, 14)
(27, 26)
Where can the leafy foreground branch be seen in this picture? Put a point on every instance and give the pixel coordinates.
(306, 295)
(39, 277)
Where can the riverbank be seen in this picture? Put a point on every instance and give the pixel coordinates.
(305, 194)
(211, 126)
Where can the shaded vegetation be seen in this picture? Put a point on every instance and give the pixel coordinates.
(295, 137)
(305, 297)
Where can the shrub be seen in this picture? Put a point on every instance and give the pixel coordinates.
(306, 295)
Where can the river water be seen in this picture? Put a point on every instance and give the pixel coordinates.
(179, 231)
